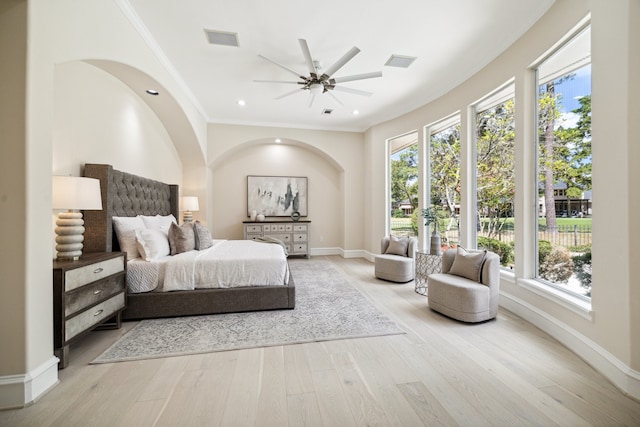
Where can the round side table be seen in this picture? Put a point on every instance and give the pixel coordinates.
(426, 264)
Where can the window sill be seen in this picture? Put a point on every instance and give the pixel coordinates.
(575, 304)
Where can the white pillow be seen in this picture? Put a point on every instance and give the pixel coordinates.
(159, 222)
(125, 227)
(152, 244)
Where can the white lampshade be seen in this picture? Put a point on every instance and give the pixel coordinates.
(74, 193)
(190, 203)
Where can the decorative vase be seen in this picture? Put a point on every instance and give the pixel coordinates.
(253, 215)
(260, 218)
(435, 248)
(295, 216)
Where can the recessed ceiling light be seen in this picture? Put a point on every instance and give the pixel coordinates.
(152, 92)
(400, 61)
(356, 112)
(242, 102)
(278, 140)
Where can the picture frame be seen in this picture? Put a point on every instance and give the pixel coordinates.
(277, 196)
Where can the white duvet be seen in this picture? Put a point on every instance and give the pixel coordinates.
(228, 263)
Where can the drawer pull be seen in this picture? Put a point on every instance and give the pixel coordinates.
(98, 270)
(97, 313)
(97, 291)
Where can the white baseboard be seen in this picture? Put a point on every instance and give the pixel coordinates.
(18, 391)
(621, 375)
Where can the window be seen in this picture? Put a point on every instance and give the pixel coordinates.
(444, 178)
(404, 185)
(564, 167)
(495, 174)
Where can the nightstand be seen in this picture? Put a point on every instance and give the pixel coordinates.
(87, 293)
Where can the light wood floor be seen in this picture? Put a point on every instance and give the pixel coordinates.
(441, 373)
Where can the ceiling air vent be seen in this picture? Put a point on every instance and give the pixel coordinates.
(222, 38)
(400, 61)
(327, 112)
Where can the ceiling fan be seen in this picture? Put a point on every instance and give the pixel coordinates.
(317, 83)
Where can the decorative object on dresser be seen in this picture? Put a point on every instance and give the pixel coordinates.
(277, 195)
(189, 205)
(294, 234)
(73, 193)
(86, 294)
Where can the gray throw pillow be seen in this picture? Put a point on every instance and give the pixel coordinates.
(468, 264)
(202, 236)
(181, 238)
(397, 245)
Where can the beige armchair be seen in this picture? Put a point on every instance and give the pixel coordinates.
(396, 262)
(468, 289)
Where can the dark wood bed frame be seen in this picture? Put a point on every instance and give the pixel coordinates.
(125, 194)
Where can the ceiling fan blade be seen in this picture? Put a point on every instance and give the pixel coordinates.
(278, 81)
(335, 98)
(284, 67)
(373, 75)
(307, 57)
(353, 91)
(340, 62)
(287, 94)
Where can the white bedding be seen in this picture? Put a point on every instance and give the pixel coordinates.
(228, 263)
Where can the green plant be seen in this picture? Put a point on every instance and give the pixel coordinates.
(397, 213)
(557, 266)
(582, 270)
(503, 250)
(544, 249)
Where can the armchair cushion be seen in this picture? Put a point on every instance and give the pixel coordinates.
(468, 264)
(397, 245)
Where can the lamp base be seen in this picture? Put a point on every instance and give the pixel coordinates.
(187, 216)
(69, 231)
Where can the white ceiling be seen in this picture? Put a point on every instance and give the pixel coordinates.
(451, 39)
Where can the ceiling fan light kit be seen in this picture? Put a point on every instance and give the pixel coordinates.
(317, 83)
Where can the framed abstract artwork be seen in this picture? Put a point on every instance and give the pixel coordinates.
(277, 195)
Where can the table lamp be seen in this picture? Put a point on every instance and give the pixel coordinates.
(73, 193)
(189, 205)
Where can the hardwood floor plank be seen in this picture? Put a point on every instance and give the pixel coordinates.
(298, 373)
(241, 406)
(360, 398)
(303, 410)
(272, 400)
(424, 404)
(331, 399)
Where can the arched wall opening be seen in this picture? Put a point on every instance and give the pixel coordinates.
(264, 157)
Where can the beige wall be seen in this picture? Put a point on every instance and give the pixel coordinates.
(98, 119)
(333, 161)
(13, 184)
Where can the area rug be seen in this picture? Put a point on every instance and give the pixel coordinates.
(327, 307)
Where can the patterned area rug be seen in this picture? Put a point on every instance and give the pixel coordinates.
(328, 307)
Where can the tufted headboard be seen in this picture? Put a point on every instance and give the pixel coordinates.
(123, 194)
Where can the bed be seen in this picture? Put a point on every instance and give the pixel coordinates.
(127, 195)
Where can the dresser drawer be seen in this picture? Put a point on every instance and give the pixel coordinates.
(299, 248)
(300, 228)
(299, 237)
(86, 296)
(93, 316)
(254, 229)
(283, 237)
(90, 273)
